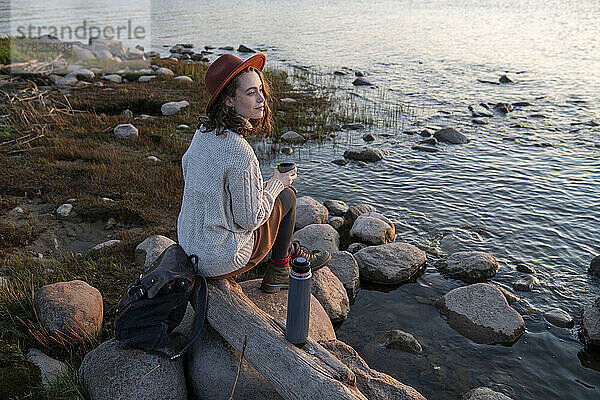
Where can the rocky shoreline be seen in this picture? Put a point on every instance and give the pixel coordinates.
(363, 246)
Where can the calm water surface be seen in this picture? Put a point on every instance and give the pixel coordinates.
(503, 192)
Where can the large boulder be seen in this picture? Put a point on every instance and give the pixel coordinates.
(373, 228)
(344, 266)
(390, 263)
(365, 153)
(275, 304)
(71, 310)
(450, 135)
(484, 393)
(469, 266)
(481, 313)
(373, 384)
(212, 369)
(112, 371)
(318, 237)
(309, 211)
(590, 324)
(50, 368)
(330, 292)
(148, 251)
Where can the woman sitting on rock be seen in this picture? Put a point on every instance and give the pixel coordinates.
(229, 217)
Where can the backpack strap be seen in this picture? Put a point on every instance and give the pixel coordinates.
(200, 309)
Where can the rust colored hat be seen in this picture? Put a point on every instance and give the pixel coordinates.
(224, 69)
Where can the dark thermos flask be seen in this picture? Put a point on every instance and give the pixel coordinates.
(298, 307)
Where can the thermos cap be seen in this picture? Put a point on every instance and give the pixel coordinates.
(300, 265)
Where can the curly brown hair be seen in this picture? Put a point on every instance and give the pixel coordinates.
(221, 117)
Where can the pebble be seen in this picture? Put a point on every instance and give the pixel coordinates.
(64, 209)
(153, 158)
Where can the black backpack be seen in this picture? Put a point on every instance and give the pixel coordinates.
(154, 305)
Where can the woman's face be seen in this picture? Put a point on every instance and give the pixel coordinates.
(249, 100)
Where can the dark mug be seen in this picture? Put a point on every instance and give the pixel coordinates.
(286, 167)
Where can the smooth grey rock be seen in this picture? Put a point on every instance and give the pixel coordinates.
(481, 313)
(590, 324)
(113, 78)
(354, 247)
(173, 107)
(112, 371)
(522, 267)
(450, 135)
(354, 211)
(390, 263)
(152, 158)
(148, 251)
(373, 228)
(134, 54)
(344, 266)
(336, 222)
(336, 207)
(595, 266)
(373, 384)
(484, 393)
(50, 368)
(365, 154)
(275, 304)
(292, 137)
(212, 367)
(125, 131)
(318, 237)
(64, 210)
(108, 243)
(469, 266)
(164, 72)
(340, 161)
(310, 211)
(403, 341)
(525, 285)
(82, 74)
(66, 307)
(183, 78)
(84, 53)
(330, 292)
(146, 78)
(560, 318)
(66, 81)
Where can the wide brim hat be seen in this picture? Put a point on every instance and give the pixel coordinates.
(224, 69)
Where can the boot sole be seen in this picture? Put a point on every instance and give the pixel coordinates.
(269, 288)
(318, 267)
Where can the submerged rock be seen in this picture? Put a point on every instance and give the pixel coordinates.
(365, 154)
(403, 341)
(244, 49)
(481, 313)
(525, 285)
(425, 148)
(595, 265)
(525, 268)
(560, 318)
(469, 266)
(361, 82)
(390, 263)
(450, 135)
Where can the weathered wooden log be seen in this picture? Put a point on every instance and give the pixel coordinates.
(307, 372)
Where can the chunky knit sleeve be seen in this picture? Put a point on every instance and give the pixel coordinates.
(251, 199)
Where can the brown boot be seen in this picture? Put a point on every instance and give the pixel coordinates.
(276, 278)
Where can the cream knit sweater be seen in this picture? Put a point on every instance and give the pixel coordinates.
(224, 201)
